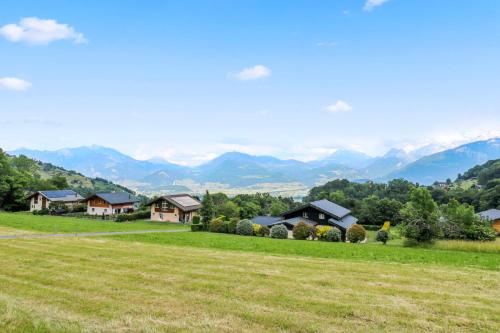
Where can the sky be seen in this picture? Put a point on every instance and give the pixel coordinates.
(189, 80)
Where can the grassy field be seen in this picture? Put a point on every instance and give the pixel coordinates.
(358, 252)
(207, 282)
(58, 224)
(106, 285)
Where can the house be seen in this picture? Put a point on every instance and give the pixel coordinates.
(42, 199)
(174, 208)
(320, 212)
(111, 203)
(492, 215)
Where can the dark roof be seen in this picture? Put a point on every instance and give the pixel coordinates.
(266, 220)
(115, 198)
(295, 220)
(326, 207)
(345, 222)
(490, 214)
(60, 195)
(184, 202)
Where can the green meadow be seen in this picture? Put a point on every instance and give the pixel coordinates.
(184, 282)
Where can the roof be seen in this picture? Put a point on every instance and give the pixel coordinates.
(115, 198)
(266, 220)
(296, 220)
(345, 222)
(490, 214)
(184, 202)
(326, 207)
(60, 195)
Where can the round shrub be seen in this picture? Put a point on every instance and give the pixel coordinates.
(382, 236)
(301, 231)
(279, 231)
(196, 219)
(244, 228)
(256, 229)
(231, 227)
(216, 225)
(321, 231)
(263, 231)
(356, 233)
(333, 235)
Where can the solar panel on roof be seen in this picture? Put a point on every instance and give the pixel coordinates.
(185, 201)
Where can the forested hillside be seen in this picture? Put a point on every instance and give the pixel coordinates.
(373, 203)
(21, 175)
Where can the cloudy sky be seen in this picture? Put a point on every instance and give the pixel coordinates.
(187, 80)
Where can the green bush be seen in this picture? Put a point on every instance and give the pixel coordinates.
(216, 225)
(279, 231)
(263, 231)
(244, 228)
(197, 227)
(382, 236)
(43, 211)
(480, 233)
(139, 215)
(301, 231)
(231, 227)
(356, 233)
(333, 235)
(196, 219)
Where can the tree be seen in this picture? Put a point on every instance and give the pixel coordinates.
(228, 209)
(278, 208)
(420, 216)
(59, 182)
(249, 209)
(207, 211)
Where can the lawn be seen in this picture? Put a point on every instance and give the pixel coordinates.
(107, 285)
(359, 252)
(60, 224)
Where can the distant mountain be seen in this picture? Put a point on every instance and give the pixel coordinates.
(350, 158)
(393, 160)
(235, 170)
(97, 161)
(448, 163)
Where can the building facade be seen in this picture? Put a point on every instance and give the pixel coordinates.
(175, 208)
(111, 203)
(42, 199)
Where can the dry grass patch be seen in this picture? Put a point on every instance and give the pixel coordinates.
(96, 285)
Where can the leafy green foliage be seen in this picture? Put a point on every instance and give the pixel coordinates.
(279, 231)
(244, 228)
(301, 231)
(382, 236)
(231, 225)
(263, 231)
(139, 215)
(207, 210)
(356, 233)
(217, 225)
(420, 217)
(333, 235)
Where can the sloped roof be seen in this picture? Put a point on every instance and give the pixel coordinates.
(184, 202)
(345, 222)
(296, 220)
(266, 220)
(325, 206)
(60, 195)
(116, 198)
(490, 214)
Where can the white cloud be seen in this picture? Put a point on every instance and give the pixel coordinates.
(339, 106)
(371, 4)
(251, 73)
(13, 83)
(33, 30)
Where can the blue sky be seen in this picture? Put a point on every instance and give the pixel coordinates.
(187, 80)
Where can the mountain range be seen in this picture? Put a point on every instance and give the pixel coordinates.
(235, 170)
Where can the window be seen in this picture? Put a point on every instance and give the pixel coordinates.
(35, 199)
(304, 215)
(321, 216)
(165, 205)
(105, 210)
(93, 209)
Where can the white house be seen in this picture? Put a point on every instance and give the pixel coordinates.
(42, 199)
(111, 203)
(174, 208)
